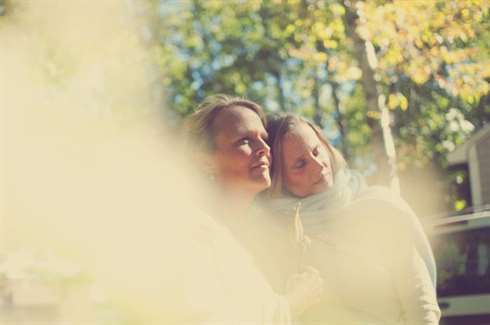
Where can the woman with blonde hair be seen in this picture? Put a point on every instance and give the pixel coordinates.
(366, 242)
(229, 146)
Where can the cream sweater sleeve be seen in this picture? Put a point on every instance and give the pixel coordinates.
(413, 282)
(409, 258)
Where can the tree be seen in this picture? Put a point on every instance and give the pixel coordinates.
(316, 58)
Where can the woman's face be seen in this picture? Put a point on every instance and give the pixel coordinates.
(307, 167)
(241, 156)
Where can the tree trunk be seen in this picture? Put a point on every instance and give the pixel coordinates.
(318, 115)
(280, 91)
(381, 134)
(339, 118)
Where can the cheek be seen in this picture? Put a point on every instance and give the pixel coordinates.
(302, 183)
(242, 156)
(295, 181)
(234, 161)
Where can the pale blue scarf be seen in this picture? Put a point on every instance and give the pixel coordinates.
(318, 210)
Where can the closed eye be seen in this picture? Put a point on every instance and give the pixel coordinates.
(299, 164)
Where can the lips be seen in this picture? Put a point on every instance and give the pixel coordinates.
(322, 179)
(261, 164)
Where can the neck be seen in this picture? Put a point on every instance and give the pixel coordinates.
(237, 203)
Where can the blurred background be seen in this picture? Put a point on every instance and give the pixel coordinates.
(342, 64)
(401, 87)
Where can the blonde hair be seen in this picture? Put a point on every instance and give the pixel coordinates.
(199, 126)
(277, 127)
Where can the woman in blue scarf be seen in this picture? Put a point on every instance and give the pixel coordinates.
(367, 243)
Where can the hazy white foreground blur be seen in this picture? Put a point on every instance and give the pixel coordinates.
(96, 207)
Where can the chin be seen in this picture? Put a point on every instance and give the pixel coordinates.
(321, 187)
(266, 181)
(263, 177)
(262, 183)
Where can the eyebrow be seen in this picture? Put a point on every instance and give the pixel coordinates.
(262, 134)
(245, 134)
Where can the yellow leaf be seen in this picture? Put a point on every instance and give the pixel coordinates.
(419, 76)
(328, 32)
(290, 29)
(318, 28)
(403, 102)
(337, 9)
(240, 88)
(392, 101)
(354, 73)
(363, 32)
(320, 57)
(337, 26)
(330, 44)
(439, 19)
(459, 205)
(374, 115)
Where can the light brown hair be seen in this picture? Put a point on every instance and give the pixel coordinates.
(199, 126)
(277, 127)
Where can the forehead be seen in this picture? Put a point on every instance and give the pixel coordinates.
(236, 120)
(300, 138)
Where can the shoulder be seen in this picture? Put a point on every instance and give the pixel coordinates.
(385, 205)
(383, 198)
(382, 194)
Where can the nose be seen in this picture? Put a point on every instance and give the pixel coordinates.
(263, 149)
(317, 165)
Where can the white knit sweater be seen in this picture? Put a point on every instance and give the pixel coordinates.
(369, 254)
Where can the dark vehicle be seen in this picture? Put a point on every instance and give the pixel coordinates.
(462, 250)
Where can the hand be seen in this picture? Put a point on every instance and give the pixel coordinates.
(304, 290)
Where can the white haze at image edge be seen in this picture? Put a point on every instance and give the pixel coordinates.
(88, 172)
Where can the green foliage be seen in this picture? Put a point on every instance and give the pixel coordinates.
(297, 55)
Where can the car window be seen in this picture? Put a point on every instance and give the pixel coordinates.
(463, 262)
